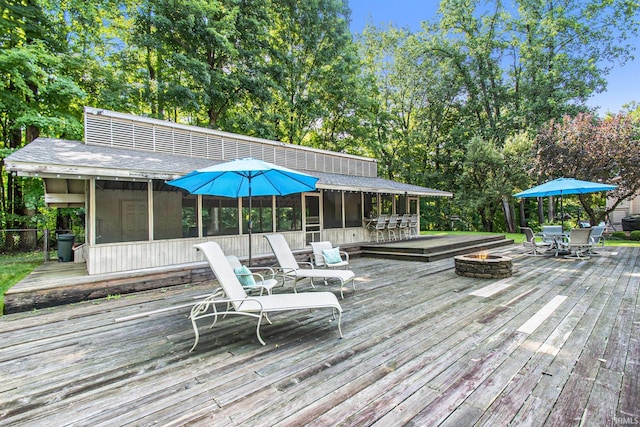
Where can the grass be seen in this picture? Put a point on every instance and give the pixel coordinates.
(15, 267)
(518, 237)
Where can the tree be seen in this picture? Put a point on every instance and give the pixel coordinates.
(37, 94)
(590, 148)
(519, 64)
(562, 52)
(489, 178)
(314, 64)
(412, 108)
(197, 59)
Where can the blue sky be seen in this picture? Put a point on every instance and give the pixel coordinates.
(622, 86)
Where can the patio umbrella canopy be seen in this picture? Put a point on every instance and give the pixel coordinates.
(245, 178)
(563, 186)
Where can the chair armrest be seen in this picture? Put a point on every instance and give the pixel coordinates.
(263, 269)
(310, 264)
(539, 240)
(285, 271)
(258, 275)
(211, 301)
(346, 255)
(318, 259)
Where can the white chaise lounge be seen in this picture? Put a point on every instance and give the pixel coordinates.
(291, 270)
(235, 300)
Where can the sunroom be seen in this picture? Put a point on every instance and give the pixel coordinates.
(135, 220)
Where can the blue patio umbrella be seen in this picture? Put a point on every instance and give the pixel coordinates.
(245, 178)
(564, 186)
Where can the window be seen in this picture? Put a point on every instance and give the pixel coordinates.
(289, 213)
(413, 205)
(189, 215)
(401, 205)
(175, 212)
(332, 209)
(387, 204)
(371, 205)
(261, 215)
(353, 210)
(219, 216)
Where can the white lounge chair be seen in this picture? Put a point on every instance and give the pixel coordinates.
(232, 294)
(291, 269)
(536, 245)
(253, 278)
(325, 255)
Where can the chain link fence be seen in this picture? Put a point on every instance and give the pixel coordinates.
(14, 241)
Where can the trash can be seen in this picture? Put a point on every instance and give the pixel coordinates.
(65, 247)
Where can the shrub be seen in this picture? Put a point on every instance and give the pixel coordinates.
(635, 235)
(619, 235)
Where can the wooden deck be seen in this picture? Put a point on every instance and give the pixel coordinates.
(55, 283)
(557, 344)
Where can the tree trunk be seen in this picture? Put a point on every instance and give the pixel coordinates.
(508, 215)
(540, 210)
(523, 218)
(15, 203)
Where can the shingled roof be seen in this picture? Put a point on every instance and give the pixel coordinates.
(48, 157)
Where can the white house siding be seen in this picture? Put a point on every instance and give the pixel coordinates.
(114, 257)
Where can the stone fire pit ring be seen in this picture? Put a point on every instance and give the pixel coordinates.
(483, 266)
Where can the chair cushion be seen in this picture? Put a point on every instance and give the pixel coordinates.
(332, 256)
(244, 276)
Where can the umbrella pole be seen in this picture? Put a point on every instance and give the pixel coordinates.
(250, 225)
(561, 212)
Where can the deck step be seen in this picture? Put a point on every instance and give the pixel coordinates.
(441, 253)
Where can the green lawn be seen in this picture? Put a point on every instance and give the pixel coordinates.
(14, 268)
(518, 237)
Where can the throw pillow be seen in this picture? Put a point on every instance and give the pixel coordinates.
(332, 256)
(244, 276)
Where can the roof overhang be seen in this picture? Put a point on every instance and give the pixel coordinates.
(72, 160)
(64, 193)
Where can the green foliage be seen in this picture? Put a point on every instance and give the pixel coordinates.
(443, 107)
(593, 149)
(635, 235)
(313, 73)
(490, 175)
(621, 235)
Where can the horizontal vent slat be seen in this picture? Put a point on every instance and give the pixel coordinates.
(101, 128)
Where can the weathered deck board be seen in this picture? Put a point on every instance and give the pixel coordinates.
(419, 349)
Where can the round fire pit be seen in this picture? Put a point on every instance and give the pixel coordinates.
(483, 266)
